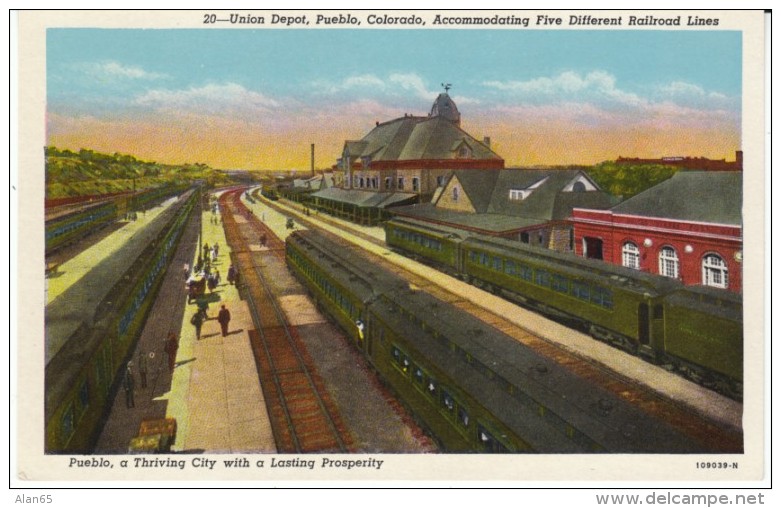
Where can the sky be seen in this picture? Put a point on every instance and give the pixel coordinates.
(257, 99)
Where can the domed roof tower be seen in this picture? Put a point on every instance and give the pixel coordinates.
(445, 107)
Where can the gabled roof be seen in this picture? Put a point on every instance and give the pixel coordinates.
(478, 185)
(548, 200)
(701, 196)
(416, 138)
(489, 192)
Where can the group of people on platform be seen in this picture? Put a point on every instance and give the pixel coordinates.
(203, 276)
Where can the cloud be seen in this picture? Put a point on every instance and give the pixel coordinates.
(680, 90)
(414, 83)
(569, 84)
(110, 70)
(350, 83)
(214, 99)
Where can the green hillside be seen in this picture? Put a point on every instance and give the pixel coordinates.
(87, 173)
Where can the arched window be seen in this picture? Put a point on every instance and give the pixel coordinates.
(630, 256)
(714, 271)
(455, 193)
(668, 262)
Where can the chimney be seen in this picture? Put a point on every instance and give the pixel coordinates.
(312, 163)
(487, 141)
(739, 159)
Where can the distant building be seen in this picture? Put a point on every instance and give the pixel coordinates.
(530, 206)
(694, 163)
(301, 189)
(688, 227)
(402, 161)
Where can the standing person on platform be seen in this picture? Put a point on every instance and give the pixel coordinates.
(171, 347)
(186, 270)
(205, 252)
(224, 317)
(217, 278)
(197, 322)
(129, 384)
(216, 249)
(142, 369)
(232, 273)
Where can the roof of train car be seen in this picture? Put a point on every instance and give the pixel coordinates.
(78, 304)
(716, 301)
(463, 221)
(621, 428)
(342, 265)
(574, 265)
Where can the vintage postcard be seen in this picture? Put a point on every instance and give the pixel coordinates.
(502, 247)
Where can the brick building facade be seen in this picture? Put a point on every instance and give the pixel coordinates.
(688, 227)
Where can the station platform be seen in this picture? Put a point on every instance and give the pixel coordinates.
(74, 296)
(215, 394)
(77, 267)
(213, 391)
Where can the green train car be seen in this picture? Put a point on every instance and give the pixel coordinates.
(649, 315)
(472, 387)
(68, 228)
(81, 378)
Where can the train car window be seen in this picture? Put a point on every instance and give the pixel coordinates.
(485, 259)
(447, 402)
(84, 395)
(509, 267)
(473, 256)
(432, 387)
(560, 284)
(463, 416)
(602, 296)
(489, 443)
(497, 264)
(581, 291)
(525, 272)
(417, 374)
(542, 278)
(67, 424)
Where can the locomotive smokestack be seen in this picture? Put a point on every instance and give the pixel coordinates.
(312, 163)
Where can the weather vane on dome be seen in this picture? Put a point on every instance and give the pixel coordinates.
(446, 86)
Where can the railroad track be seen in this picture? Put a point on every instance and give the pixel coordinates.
(699, 427)
(303, 417)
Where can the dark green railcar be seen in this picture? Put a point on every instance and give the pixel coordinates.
(614, 304)
(65, 229)
(704, 336)
(438, 245)
(339, 294)
(697, 330)
(473, 387)
(82, 375)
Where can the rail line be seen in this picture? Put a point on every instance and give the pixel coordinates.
(700, 427)
(303, 417)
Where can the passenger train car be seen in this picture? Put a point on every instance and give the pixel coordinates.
(82, 376)
(695, 330)
(70, 227)
(473, 387)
